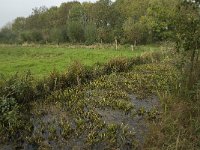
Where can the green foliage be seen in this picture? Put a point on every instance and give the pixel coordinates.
(25, 36)
(53, 82)
(19, 24)
(105, 35)
(76, 13)
(58, 35)
(159, 19)
(76, 74)
(116, 65)
(134, 9)
(187, 24)
(9, 114)
(19, 88)
(12, 120)
(187, 34)
(90, 34)
(36, 36)
(7, 36)
(75, 31)
(31, 36)
(135, 33)
(103, 13)
(137, 21)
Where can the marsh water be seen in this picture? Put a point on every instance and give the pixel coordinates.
(49, 123)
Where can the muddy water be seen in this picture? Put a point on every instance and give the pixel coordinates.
(51, 119)
(24, 146)
(148, 103)
(136, 123)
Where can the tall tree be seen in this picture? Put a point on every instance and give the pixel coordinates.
(187, 25)
(159, 19)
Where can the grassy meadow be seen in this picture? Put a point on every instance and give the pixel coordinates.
(41, 60)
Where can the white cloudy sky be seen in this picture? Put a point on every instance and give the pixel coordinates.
(10, 9)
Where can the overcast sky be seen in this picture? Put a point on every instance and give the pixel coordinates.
(10, 9)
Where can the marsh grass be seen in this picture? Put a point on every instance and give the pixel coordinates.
(179, 127)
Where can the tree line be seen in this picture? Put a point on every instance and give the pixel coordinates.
(127, 21)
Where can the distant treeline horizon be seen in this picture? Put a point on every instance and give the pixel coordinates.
(122, 21)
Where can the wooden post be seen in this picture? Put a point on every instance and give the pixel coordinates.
(116, 44)
(132, 47)
(135, 43)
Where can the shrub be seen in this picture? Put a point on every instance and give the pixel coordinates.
(20, 88)
(9, 113)
(116, 65)
(76, 74)
(55, 81)
(11, 119)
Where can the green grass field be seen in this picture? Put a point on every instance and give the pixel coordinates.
(41, 60)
